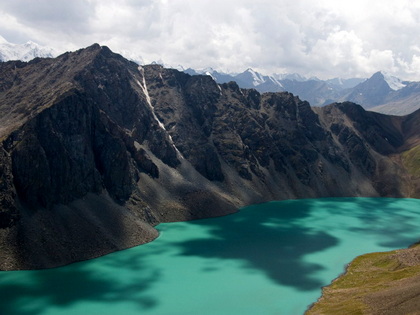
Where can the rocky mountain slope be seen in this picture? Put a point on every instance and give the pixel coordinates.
(95, 150)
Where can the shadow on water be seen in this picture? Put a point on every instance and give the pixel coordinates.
(391, 220)
(271, 238)
(35, 291)
(266, 238)
(274, 237)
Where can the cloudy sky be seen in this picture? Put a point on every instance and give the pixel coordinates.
(326, 38)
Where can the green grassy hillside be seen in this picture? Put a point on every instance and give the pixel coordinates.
(375, 283)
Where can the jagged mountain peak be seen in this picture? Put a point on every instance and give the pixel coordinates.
(251, 78)
(97, 48)
(384, 93)
(393, 82)
(377, 76)
(250, 70)
(113, 148)
(38, 93)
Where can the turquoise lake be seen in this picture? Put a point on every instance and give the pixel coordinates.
(271, 258)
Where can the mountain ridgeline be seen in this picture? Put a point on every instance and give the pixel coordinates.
(96, 150)
(381, 93)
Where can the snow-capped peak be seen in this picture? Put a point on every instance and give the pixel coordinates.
(257, 77)
(24, 52)
(393, 82)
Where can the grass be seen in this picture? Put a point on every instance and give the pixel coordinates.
(411, 160)
(365, 275)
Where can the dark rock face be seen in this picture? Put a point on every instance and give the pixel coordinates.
(9, 213)
(96, 149)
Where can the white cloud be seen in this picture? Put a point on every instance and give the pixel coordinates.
(326, 38)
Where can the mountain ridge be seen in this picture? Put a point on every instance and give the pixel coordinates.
(381, 92)
(388, 94)
(96, 150)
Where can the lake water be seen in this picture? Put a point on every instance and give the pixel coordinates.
(271, 258)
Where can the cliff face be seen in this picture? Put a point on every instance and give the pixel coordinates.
(95, 150)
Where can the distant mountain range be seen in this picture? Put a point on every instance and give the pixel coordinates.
(24, 52)
(278, 82)
(381, 93)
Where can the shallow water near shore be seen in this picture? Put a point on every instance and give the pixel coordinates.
(271, 258)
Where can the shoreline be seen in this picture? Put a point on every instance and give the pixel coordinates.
(238, 209)
(289, 206)
(391, 258)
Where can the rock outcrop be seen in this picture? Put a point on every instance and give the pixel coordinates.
(96, 150)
